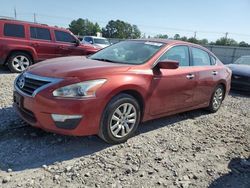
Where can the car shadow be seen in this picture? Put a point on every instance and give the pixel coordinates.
(25, 147)
(239, 175)
(5, 70)
(239, 93)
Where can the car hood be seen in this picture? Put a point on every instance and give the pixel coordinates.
(101, 45)
(75, 66)
(238, 69)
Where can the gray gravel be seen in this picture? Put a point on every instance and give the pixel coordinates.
(193, 149)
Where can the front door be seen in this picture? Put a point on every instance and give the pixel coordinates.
(173, 89)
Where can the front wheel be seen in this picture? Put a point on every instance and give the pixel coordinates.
(216, 99)
(120, 119)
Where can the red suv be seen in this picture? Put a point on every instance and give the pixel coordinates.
(24, 43)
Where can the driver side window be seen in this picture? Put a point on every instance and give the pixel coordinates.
(177, 53)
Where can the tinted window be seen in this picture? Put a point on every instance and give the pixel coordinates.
(177, 53)
(200, 57)
(88, 39)
(14, 30)
(64, 37)
(101, 41)
(39, 33)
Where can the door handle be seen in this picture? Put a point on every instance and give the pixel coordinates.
(214, 72)
(190, 76)
(35, 44)
(62, 47)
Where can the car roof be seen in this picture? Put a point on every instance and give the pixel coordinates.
(173, 42)
(166, 41)
(6, 20)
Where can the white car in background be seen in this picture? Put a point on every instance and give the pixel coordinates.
(99, 42)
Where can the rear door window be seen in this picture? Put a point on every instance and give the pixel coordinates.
(200, 57)
(64, 37)
(14, 30)
(40, 33)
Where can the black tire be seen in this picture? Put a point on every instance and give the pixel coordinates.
(14, 66)
(105, 126)
(215, 106)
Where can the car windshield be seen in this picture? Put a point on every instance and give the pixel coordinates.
(243, 60)
(128, 52)
(101, 41)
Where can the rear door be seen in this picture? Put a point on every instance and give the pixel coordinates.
(41, 41)
(173, 89)
(206, 72)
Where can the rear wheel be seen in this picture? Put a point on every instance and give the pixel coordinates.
(19, 61)
(216, 99)
(120, 119)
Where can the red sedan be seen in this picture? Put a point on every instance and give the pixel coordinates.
(111, 92)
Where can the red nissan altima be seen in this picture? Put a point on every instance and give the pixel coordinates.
(111, 92)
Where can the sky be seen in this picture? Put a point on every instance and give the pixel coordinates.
(210, 19)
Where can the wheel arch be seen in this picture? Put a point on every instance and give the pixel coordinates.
(223, 84)
(134, 93)
(23, 51)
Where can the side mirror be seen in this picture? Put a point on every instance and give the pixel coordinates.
(77, 42)
(168, 64)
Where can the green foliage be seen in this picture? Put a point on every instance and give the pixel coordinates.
(84, 27)
(226, 42)
(160, 36)
(244, 44)
(177, 37)
(121, 29)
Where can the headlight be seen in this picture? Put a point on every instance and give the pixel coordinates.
(79, 90)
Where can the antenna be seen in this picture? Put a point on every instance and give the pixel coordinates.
(15, 13)
(35, 18)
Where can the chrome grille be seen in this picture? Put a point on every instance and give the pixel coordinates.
(30, 84)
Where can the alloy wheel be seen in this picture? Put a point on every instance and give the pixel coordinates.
(123, 120)
(217, 99)
(20, 63)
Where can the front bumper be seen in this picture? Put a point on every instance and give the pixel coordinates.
(242, 84)
(37, 111)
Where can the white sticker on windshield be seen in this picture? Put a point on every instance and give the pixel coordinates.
(154, 43)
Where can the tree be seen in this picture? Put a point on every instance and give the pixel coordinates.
(244, 44)
(184, 38)
(177, 37)
(193, 40)
(160, 36)
(203, 41)
(226, 42)
(84, 27)
(121, 29)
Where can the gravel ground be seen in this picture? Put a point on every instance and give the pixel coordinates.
(193, 149)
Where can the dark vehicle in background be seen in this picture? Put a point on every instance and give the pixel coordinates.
(24, 43)
(241, 74)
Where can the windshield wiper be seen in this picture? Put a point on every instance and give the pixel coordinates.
(103, 59)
